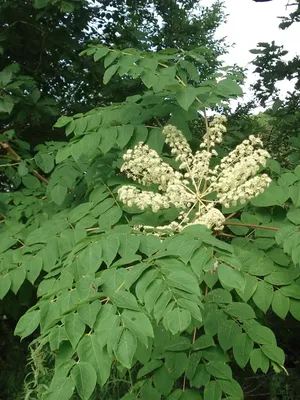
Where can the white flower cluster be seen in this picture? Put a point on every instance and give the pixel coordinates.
(234, 180)
(214, 132)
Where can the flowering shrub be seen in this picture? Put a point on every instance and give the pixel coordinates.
(169, 316)
(232, 181)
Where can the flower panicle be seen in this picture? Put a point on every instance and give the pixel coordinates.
(234, 180)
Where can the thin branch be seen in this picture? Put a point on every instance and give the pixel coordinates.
(269, 228)
(18, 159)
(7, 147)
(40, 177)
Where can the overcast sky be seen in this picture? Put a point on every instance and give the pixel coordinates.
(249, 23)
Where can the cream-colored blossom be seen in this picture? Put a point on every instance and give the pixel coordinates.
(234, 180)
(178, 143)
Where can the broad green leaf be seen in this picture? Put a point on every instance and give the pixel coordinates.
(50, 313)
(176, 364)
(192, 307)
(242, 311)
(259, 360)
(250, 288)
(261, 334)
(291, 291)
(213, 320)
(110, 58)
(199, 260)
(129, 245)
(108, 138)
(203, 342)
(33, 268)
(149, 244)
(263, 296)
(219, 296)
(228, 332)
(232, 388)
(105, 326)
(74, 328)
(148, 392)
(17, 276)
(231, 277)
(57, 335)
(125, 133)
(213, 391)
(274, 353)
(79, 212)
(100, 53)
(91, 351)
(149, 367)
(242, 349)
(85, 378)
(215, 354)
(62, 121)
(147, 278)
(153, 291)
(193, 362)
(219, 370)
(58, 194)
(31, 182)
(124, 299)
(156, 140)
(70, 128)
(103, 206)
(201, 377)
(110, 217)
(110, 247)
(80, 127)
(91, 257)
(177, 343)
(161, 305)
(278, 256)
(272, 196)
(163, 381)
(186, 97)
(88, 312)
(280, 304)
(64, 389)
(5, 283)
(109, 73)
(27, 324)
(230, 88)
(149, 78)
(294, 216)
(184, 281)
(177, 320)
(280, 278)
(126, 348)
(22, 169)
(45, 162)
(295, 309)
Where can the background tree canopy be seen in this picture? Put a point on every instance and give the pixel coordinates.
(106, 310)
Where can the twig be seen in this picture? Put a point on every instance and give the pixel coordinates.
(40, 177)
(7, 147)
(18, 159)
(269, 228)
